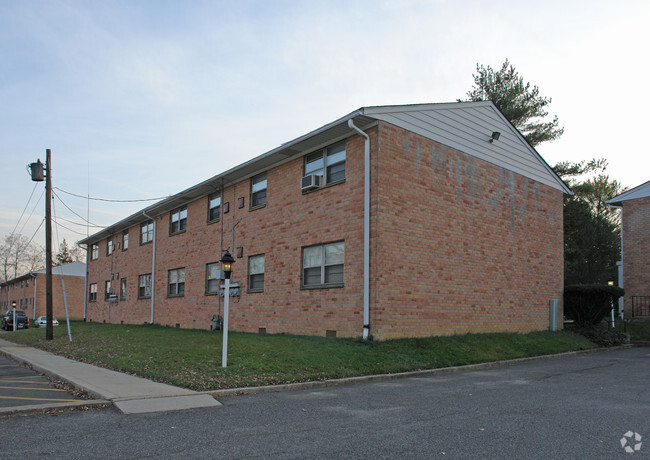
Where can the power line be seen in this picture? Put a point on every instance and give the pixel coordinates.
(24, 209)
(70, 209)
(79, 223)
(68, 229)
(109, 200)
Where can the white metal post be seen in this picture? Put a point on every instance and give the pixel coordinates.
(226, 302)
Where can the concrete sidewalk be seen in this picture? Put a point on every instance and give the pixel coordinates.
(128, 393)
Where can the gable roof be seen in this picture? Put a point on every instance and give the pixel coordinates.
(641, 191)
(465, 126)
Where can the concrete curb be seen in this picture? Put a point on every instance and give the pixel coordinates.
(401, 375)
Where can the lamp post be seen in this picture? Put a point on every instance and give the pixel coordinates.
(13, 306)
(226, 262)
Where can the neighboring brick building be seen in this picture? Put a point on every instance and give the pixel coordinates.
(635, 249)
(461, 232)
(28, 291)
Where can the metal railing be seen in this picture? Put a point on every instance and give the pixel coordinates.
(640, 306)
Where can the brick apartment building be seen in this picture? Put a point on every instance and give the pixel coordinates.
(392, 221)
(28, 291)
(635, 249)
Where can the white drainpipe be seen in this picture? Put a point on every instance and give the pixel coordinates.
(153, 264)
(366, 231)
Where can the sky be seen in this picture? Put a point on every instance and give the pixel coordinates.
(142, 99)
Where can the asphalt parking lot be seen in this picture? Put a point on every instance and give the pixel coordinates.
(21, 386)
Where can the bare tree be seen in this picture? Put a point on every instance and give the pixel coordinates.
(19, 256)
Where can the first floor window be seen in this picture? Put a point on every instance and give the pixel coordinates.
(92, 292)
(323, 265)
(212, 278)
(123, 288)
(146, 232)
(178, 220)
(176, 282)
(144, 286)
(256, 273)
(258, 190)
(108, 291)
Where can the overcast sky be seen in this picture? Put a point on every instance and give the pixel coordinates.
(143, 99)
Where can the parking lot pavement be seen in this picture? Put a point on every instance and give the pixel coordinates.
(20, 386)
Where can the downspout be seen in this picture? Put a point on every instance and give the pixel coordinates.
(619, 264)
(86, 281)
(366, 231)
(153, 265)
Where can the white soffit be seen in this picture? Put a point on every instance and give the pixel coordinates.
(468, 127)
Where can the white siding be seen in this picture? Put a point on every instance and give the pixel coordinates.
(468, 127)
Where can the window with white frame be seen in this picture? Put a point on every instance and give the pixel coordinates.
(125, 240)
(123, 289)
(108, 290)
(146, 232)
(176, 284)
(212, 278)
(94, 251)
(110, 247)
(256, 273)
(323, 265)
(329, 163)
(144, 286)
(214, 207)
(92, 292)
(178, 220)
(258, 190)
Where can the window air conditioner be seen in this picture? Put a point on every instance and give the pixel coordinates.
(310, 182)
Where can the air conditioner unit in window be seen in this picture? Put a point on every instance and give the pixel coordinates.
(310, 182)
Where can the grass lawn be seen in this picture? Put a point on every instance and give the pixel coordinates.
(192, 358)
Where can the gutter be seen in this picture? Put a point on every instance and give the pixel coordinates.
(366, 230)
(153, 265)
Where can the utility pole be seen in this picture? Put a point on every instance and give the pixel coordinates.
(38, 176)
(49, 329)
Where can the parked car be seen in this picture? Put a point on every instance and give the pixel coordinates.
(41, 321)
(8, 320)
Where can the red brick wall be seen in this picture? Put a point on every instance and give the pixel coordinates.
(459, 245)
(74, 294)
(289, 221)
(636, 249)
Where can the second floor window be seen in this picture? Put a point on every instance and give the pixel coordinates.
(178, 220)
(94, 251)
(125, 240)
(214, 207)
(146, 232)
(329, 163)
(258, 190)
(110, 247)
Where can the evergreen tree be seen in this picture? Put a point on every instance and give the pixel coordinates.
(519, 102)
(63, 256)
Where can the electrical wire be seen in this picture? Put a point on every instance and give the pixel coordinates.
(109, 200)
(68, 229)
(79, 223)
(70, 209)
(32, 213)
(24, 209)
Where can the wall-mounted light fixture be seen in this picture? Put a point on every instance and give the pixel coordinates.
(495, 136)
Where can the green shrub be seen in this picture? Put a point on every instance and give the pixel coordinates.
(588, 304)
(604, 337)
